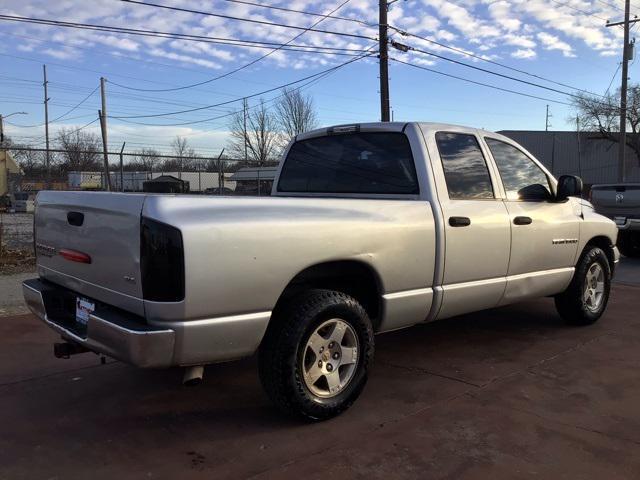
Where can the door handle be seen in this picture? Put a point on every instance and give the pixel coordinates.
(522, 221)
(459, 221)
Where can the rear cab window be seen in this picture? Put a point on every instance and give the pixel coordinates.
(465, 168)
(353, 163)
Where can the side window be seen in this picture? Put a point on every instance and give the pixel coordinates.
(521, 177)
(465, 169)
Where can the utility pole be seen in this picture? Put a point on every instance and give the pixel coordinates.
(623, 89)
(384, 60)
(103, 127)
(46, 126)
(122, 168)
(244, 116)
(547, 124)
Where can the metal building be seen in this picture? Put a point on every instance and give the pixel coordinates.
(584, 154)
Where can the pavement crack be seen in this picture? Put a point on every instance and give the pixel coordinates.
(428, 372)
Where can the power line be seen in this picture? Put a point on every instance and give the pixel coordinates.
(247, 96)
(67, 112)
(303, 12)
(488, 60)
(479, 83)
(250, 20)
(190, 37)
(242, 67)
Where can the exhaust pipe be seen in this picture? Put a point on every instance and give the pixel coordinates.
(193, 375)
(66, 349)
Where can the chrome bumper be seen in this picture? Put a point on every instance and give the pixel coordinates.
(110, 333)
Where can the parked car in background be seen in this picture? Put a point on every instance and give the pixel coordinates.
(370, 228)
(218, 191)
(621, 203)
(23, 202)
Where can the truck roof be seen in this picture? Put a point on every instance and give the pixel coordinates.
(388, 127)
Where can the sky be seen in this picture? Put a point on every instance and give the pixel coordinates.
(562, 45)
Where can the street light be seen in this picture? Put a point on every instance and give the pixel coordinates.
(2, 124)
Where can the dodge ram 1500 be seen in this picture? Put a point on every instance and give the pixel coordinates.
(371, 228)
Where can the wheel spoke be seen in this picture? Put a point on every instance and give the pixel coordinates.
(600, 287)
(316, 341)
(349, 355)
(313, 374)
(333, 381)
(338, 332)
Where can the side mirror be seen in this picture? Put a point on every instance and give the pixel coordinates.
(568, 186)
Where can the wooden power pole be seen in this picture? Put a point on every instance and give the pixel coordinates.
(103, 128)
(626, 50)
(46, 127)
(383, 28)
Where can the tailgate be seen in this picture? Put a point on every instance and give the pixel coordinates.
(616, 200)
(106, 227)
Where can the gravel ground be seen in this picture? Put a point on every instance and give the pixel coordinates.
(17, 230)
(11, 301)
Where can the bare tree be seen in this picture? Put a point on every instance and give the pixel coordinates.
(30, 161)
(295, 114)
(254, 131)
(185, 156)
(601, 115)
(81, 150)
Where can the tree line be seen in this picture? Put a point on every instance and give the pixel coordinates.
(257, 135)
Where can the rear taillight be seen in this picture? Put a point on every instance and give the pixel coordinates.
(161, 262)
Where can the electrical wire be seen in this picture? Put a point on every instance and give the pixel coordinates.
(247, 96)
(488, 60)
(303, 12)
(242, 67)
(250, 20)
(478, 83)
(189, 37)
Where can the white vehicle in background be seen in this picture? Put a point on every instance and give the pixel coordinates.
(370, 228)
(23, 202)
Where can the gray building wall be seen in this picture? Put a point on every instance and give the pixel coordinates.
(572, 153)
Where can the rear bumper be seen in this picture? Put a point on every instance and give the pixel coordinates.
(108, 331)
(629, 224)
(130, 338)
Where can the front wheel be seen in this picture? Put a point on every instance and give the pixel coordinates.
(586, 298)
(315, 357)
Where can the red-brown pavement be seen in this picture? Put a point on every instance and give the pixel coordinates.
(506, 393)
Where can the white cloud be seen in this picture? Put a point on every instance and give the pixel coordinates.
(551, 42)
(523, 53)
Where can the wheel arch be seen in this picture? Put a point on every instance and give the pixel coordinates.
(605, 244)
(353, 277)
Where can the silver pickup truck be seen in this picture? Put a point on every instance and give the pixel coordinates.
(371, 228)
(621, 203)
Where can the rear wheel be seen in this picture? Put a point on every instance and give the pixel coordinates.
(586, 298)
(315, 357)
(629, 244)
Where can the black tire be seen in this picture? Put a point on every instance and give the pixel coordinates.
(629, 244)
(282, 349)
(571, 304)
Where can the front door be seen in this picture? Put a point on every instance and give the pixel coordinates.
(476, 226)
(544, 232)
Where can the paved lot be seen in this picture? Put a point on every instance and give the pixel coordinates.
(507, 393)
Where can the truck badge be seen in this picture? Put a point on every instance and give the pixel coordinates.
(619, 197)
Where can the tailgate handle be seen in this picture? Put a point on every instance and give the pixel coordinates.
(75, 218)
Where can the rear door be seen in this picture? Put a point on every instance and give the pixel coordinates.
(544, 232)
(477, 234)
(105, 227)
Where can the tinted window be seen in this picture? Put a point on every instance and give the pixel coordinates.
(465, 169)
(350, 163)
(521, 177)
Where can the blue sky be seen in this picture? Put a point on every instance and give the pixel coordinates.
(562, 40)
